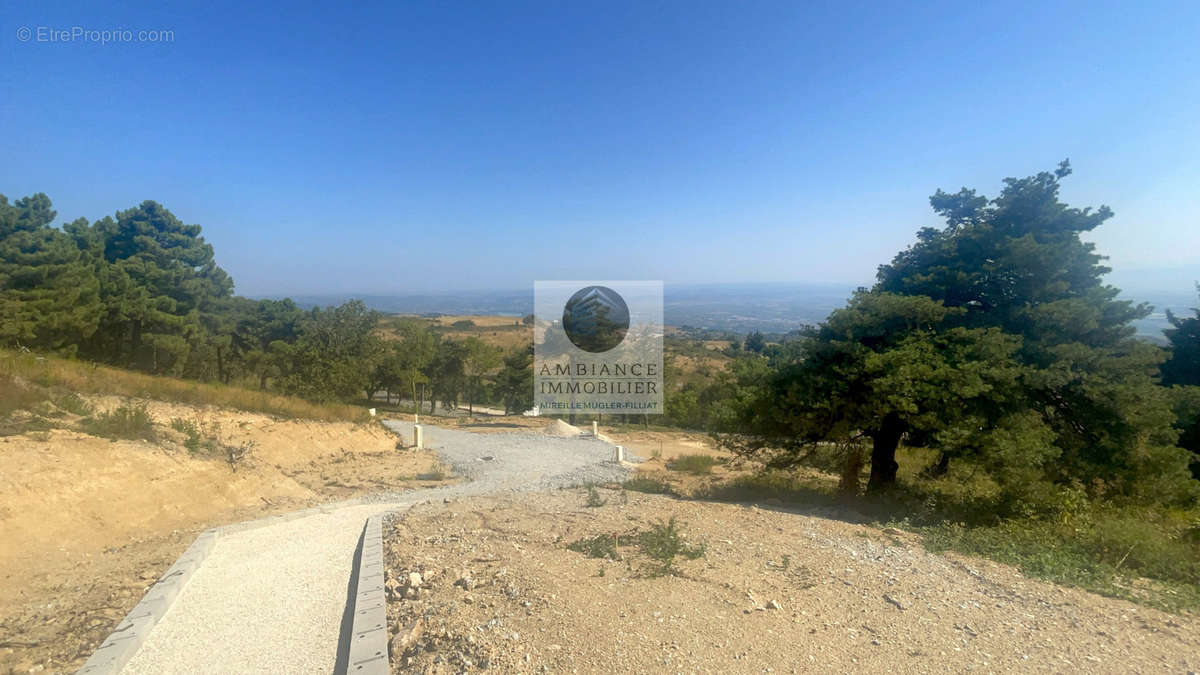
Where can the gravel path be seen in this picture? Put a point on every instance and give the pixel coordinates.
(271, 599)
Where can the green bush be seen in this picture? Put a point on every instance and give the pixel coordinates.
(599, 546)
(196, 440)
(593, 498)
(697, 464)
(131, 421)
(648, 485)
(665, 542)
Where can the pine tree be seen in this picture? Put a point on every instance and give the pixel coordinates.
(158, 282)
(49, 295)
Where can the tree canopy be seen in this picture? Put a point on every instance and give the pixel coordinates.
(993, 339)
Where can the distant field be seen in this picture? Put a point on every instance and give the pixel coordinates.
(506, 332)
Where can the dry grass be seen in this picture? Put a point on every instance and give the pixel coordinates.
(89, 378)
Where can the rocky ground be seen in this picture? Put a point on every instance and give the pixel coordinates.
(489, 582)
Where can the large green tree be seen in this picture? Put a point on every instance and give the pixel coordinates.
(514, 383)
(335, 354)
(158, 281)
(479, 359)
(49, 293)
(995, 338)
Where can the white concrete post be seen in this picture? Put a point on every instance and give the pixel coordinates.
(619, 454)
(595, 429)
(417, 441)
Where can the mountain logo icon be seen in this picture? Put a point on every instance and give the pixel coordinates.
(596, 319)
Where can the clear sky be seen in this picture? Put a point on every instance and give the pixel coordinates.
(415, 147)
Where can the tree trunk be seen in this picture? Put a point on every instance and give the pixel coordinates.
(883, 454)
(848, 484)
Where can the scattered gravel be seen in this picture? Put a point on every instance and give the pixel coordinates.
(519, 460)
(271, 599)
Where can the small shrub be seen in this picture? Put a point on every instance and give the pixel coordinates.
(185, 427)
(663, 543)
(131, 421)
(695, 464)
(593, 498)
(72, 403)
(599, 546)
(197, 440)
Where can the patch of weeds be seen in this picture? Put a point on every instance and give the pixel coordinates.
(73, 404)
(663, 543)
(648, 485)
(599, 546)
(130, 421)
(37, 424)
(782, 485)
(694, 464)
(1129, 554)
(196, 438)
(593, 498)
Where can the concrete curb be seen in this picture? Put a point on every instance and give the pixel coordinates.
(369, 636)
(120, 646)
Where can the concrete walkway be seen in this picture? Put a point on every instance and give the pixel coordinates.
(271, 599)
(266, 600)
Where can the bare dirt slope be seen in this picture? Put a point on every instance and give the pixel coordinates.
(87, 524)
(775, 591)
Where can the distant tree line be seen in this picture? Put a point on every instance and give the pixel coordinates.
(142, 290)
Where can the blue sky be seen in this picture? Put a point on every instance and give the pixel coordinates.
(412, 147)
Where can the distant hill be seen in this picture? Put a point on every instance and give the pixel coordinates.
(502, 303)
(738, 308)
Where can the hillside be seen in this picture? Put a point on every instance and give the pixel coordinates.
(100, 492)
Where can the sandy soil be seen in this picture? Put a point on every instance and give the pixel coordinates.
(86, 524)
(776, 591)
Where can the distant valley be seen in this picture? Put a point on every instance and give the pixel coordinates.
(772, 308)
